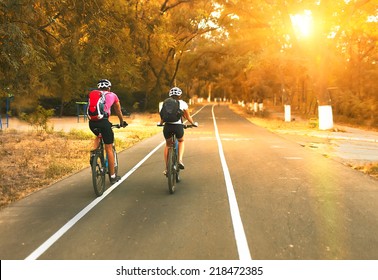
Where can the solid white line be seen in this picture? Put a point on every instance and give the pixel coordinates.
(241, 240)
(49, 242)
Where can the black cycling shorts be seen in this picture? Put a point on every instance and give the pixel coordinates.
(177, 129)
(105, 128)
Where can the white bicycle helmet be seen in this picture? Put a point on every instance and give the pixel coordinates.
(104, 83)
(175, 91)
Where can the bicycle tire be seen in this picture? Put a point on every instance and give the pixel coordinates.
(177, 169)
(171, 174)
(115, 162)
(98, 174)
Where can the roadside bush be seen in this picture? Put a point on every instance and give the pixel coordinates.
(354, 109)
(39, 119)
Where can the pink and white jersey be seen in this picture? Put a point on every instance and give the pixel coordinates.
(110, 99)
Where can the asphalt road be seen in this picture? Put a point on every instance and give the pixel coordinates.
(246, 193)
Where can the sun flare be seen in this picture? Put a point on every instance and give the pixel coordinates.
(302, 24)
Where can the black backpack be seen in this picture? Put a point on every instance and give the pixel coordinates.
(170, 111)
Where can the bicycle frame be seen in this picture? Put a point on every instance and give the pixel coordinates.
(173, 170)
(99, 165)
(172, 167)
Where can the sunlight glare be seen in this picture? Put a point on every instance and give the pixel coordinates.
(302, 23)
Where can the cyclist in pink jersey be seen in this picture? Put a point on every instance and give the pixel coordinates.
(104, 126)
(112, 100)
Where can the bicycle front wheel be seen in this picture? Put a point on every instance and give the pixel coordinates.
(98, 174)
(171, 171)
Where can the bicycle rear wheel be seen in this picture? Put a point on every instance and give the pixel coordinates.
(98, 174)
(171, 171)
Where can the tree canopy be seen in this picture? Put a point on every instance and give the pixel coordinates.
(301, 52)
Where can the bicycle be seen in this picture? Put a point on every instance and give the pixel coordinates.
(99, 165)
(173, 170)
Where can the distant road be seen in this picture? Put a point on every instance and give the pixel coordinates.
(246, 193)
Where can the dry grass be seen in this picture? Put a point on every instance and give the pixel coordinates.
(31, 161)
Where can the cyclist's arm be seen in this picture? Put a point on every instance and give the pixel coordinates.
(188, 117)
(118, 111)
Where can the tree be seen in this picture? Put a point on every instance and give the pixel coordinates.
(239, 49)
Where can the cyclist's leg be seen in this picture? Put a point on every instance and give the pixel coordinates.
(109, 153)
(108, 137)
(167, 131)
(181, 149)
(96, 143)
(92, 127)
(166, 151)
(181, 144)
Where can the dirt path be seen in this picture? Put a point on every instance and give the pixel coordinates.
(59, 124)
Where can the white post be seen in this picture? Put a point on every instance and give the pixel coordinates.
(287, 113)
(325, 117)
(255, 107)
(209, 96)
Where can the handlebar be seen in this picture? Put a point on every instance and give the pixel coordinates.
(184, 125)
(119, 125)
(190, 125)
(111, 125)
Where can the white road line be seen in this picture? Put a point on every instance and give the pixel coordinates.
(49, 242)
(241, 239)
